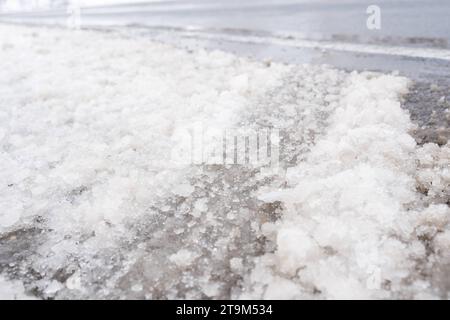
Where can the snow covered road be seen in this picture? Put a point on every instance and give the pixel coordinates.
(91, 205)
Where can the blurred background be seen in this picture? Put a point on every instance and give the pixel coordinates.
(422, 23)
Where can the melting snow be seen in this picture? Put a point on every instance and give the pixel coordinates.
(91, 205)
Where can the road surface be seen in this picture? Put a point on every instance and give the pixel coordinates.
(304, 31)
(90, 208)
(414, 38)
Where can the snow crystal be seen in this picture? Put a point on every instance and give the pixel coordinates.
(183, 258)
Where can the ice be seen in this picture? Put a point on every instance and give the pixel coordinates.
(349, 228)
(12, 290)
(183, 258)
(236, 264)
(74, 282)
(137, 287)
(10, 214)
(88, 123)
(92, 205)
(183, 190)
(52, 288)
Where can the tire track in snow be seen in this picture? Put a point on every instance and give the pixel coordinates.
(176, 247)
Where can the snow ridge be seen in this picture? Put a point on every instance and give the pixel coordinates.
(351, 223)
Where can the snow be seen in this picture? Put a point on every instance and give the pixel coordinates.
(12, 290)
(183, 258)
(89, 125)
(93, 203)
(348, 215)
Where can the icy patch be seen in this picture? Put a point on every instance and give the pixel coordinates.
(87, 131)
(12, 290)
(183, 258)
(92, 207)
(353, 224)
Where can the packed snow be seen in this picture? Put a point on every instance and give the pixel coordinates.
(93, 205)
(354, 225)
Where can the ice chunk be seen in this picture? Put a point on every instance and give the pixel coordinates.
(183, 258)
